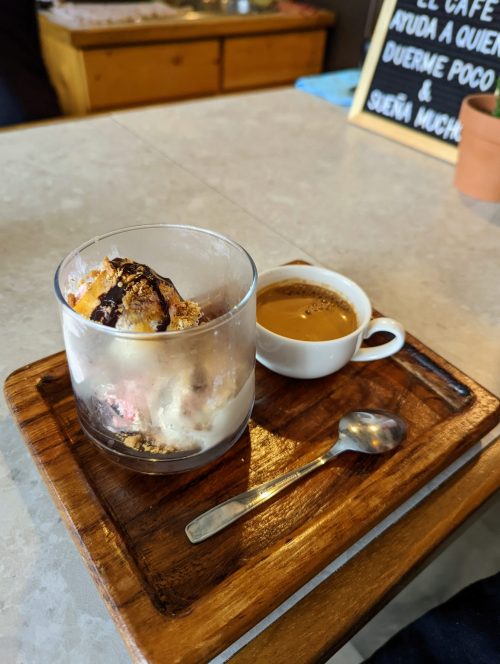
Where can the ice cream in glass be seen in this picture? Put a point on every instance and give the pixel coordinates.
(159, 330)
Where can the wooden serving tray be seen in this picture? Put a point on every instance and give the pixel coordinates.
(177, 602)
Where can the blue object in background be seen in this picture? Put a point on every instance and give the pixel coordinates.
(337, 87)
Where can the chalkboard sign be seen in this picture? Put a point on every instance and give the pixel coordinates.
(425, 57)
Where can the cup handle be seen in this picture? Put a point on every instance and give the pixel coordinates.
(384, 350)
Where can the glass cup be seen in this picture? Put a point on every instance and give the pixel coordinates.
(166, 402)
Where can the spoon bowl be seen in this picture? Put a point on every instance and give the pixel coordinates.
(371, 431)
(366, 431)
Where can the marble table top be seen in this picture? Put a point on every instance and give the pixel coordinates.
(283, 174)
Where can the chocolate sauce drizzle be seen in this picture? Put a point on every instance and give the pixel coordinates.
(128, 274)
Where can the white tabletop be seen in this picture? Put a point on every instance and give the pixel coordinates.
(283, 174)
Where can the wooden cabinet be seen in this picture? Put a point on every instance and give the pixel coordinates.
(102, 68)
(142, 74)
(271, 59)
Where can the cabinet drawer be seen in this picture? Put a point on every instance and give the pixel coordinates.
(270, 59)
(137, 74)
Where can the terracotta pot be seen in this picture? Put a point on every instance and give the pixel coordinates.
(478, 166)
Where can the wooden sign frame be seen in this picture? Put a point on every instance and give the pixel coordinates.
(357, 115)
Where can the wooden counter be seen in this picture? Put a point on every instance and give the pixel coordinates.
(107, 67)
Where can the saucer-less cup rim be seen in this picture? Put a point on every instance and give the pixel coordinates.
(298, 358)
(326, 272)
(192, 331)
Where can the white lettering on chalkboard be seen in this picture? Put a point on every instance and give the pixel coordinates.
(446, 34)
(481, 40)
(415, 59)
(417, 25)
(397, 107)
(471, 8)
(441, 124)
(474, 76)
(428, 4)
(425, 92)
(443, 51)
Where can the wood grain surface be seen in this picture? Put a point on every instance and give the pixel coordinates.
(352, 595)
(176, 602)
(271, 59)
(193, 25)
(153, 72)
(67, 72)
(195, 54)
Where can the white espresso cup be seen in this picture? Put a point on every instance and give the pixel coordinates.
(313, 359)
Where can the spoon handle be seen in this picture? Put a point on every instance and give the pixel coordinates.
(220, 516)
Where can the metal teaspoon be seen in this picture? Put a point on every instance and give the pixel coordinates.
(366, 431)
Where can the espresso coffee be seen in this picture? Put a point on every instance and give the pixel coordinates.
(305, 311)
